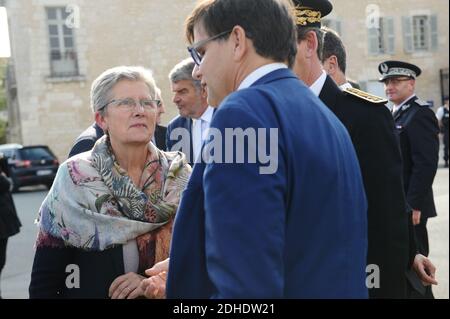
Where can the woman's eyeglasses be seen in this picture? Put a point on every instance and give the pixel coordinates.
(129, 104)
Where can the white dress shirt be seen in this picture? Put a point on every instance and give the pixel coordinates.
(130, 256)
(317, 86)
(200, 128)
(259, 73)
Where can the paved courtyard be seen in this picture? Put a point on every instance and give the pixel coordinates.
(16, 275)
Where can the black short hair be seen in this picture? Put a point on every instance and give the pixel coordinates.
(268, 23)
(333, 45)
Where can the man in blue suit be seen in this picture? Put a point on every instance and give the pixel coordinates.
(288, 225)
(187, 131)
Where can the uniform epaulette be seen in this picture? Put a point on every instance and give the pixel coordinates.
(422, 103)
(365, 96)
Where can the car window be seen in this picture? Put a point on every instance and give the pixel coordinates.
(7, 153)
(35, 153)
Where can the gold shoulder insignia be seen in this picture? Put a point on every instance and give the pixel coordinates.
(365, 96)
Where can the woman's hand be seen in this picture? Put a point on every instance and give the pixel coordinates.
(127, 286)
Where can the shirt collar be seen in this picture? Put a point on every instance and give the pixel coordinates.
(259, 73)
(207, 115)
(317, 86)
(346, 85)
(397, 107)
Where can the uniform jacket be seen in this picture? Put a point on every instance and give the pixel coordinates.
(373, 134)
(419, 141)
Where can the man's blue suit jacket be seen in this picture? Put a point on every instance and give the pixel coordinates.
(298, 233)
(186, 141)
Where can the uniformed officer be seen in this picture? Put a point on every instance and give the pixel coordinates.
(372, 130)
(419, 142)
(442, 115)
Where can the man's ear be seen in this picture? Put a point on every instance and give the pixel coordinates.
(331, 65)
(412, 84)
(240, 44)
(312, 43)
(101, 121)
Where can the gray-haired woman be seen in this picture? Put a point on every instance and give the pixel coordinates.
(109, 214)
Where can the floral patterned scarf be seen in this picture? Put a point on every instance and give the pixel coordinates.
(94, 205)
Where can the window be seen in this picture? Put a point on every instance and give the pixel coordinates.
(382, 37)
(332, 24)
(420, 33)
(63, 54)
(35, 153)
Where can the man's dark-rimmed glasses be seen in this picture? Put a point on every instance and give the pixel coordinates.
(196, 56)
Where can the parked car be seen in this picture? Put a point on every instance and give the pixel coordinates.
(30, 165)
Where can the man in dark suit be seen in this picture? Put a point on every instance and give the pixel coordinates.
(334, 59)
(159, 138)
(86, 141)
(419, 141)
(292, 225)
(373, 134)
(187, 131)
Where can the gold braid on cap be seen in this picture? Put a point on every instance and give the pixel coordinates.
(305, 15)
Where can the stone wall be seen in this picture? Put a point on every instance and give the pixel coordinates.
(111, 32)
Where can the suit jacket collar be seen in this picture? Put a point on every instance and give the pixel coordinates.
(274, 76)
(330, 93)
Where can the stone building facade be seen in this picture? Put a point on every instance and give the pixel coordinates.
(49, 95)
(60, 46)
(415, 31)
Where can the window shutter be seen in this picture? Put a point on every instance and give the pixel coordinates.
(338, 27)
(434, 32)
(374, 47)
(407, 35)
(390, 34)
